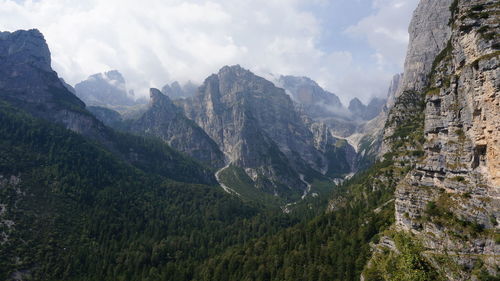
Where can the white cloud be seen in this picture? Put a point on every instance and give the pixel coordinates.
(157, 41)
(387, 30)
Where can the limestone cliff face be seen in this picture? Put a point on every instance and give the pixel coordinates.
(393, 89)
(256, 125)
(165, 120)
(450, 201)
(28, 81)
(429, 33)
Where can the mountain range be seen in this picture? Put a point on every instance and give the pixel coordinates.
(242, 178)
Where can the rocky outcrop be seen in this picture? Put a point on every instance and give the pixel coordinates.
(429, 34)
(105, 89)
(314, 100)
(450, 201)
(165, 120)
(176, 91)
(28, 81)
(256, 125)
(393, 89)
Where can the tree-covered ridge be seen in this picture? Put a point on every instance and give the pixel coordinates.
(333, 246)
(80, 213)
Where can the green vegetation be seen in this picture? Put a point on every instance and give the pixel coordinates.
(432, 92)
(82, 213)
(332, 246)
(240, 182)
(440, 212)
(454, 11)
(335, 245)
(338, 164)
(408, 264)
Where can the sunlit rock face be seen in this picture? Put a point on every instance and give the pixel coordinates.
(256, 125)
(450, 201)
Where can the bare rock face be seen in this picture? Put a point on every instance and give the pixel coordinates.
(256, 125)
(28, 81)
(450, 201)
(108, 116)
(429, 34)
(393, 89)
(165, 120)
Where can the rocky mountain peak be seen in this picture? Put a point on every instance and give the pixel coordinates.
(157, 97)
(355, 105)
(113, 76)
(307, 92)
(177, 91)
(25, 47)
(231, 80)
(258, 128)
(234, 70)
(105, 89)
(163, 119)
(393, 88)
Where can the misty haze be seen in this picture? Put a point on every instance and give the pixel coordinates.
(245, 140)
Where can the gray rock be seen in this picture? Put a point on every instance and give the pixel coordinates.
(105, 89)
(165, 120)
(459, 169)
(176, 91)
(314, 100)
(108, 116)
(256, 125)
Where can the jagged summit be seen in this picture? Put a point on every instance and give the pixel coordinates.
(355, 105)
(310, 95)
(28, 81)
(163, 119)
(106, 89)
(177, 91)
(156, 96)
(25, 47)
(258, 127)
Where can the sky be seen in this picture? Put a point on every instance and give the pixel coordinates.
(350, 47)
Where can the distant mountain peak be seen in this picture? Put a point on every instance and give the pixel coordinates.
(158, 99)
(105, 89)
(177, 90)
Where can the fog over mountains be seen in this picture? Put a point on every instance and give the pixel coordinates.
(245, 177)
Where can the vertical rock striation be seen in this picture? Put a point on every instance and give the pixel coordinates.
(256, 125)
(165, 120)
(450, 200)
